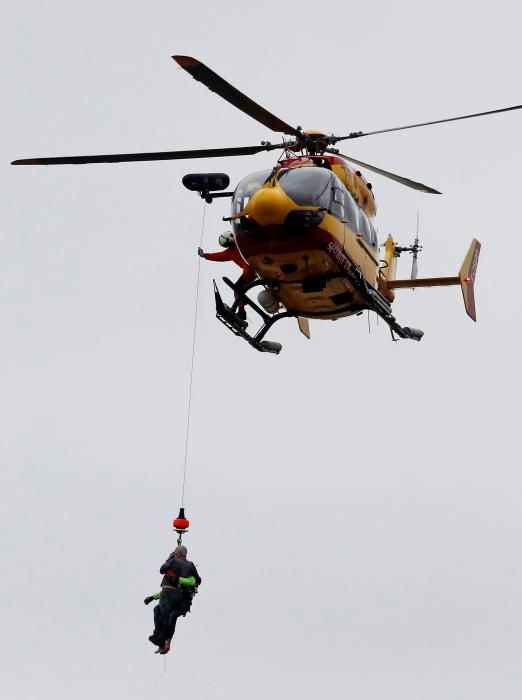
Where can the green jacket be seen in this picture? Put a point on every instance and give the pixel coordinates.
(184, 582)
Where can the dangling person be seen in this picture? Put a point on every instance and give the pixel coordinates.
(175, 597)
(231, 253)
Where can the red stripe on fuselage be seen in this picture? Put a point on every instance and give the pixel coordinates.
(274, 240)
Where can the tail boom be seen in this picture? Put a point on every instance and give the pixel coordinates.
(466, 279)
(423, 282)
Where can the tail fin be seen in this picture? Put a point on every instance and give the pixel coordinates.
(467, 275)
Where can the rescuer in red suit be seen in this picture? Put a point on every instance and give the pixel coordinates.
(231, 253)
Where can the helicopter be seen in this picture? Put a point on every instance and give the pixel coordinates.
(305, 226)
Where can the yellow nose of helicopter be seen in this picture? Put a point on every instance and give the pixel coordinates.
(269, 206)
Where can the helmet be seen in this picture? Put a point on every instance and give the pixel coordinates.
(226, 239)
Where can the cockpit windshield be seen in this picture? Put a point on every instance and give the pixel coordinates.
(308, 186)
(246, 188)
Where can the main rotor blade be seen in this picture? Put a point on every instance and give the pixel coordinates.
(160, 155)
(398, 178)
(231, 94)
(358, 134)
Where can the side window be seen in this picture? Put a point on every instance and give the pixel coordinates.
(351, 212)
(365, 227)
(375, 240)
(337, 206)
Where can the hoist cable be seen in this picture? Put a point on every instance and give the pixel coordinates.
(164, 669)
(192, 362)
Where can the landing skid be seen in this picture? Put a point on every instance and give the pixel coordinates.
(378, 303)
(229, 316)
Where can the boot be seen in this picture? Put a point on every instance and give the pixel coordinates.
(165, 648)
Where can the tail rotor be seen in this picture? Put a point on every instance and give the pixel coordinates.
(414, 250)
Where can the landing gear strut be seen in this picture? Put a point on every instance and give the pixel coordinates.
(229, 316)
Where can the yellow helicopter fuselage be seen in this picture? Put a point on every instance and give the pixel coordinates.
(305, 228)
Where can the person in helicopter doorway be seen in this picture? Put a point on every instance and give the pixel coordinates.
(231, 253)
(179, 584)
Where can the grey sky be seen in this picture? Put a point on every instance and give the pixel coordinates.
(356, 503)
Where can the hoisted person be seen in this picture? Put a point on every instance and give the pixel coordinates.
(180, 581)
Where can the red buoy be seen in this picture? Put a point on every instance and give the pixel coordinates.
(181, 524)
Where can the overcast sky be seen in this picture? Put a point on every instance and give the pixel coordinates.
(355, 503)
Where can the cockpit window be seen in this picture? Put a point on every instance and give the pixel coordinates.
(246, 188)
(308, 186)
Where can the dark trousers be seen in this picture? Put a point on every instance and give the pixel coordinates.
(172, 604)
(247, 277)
